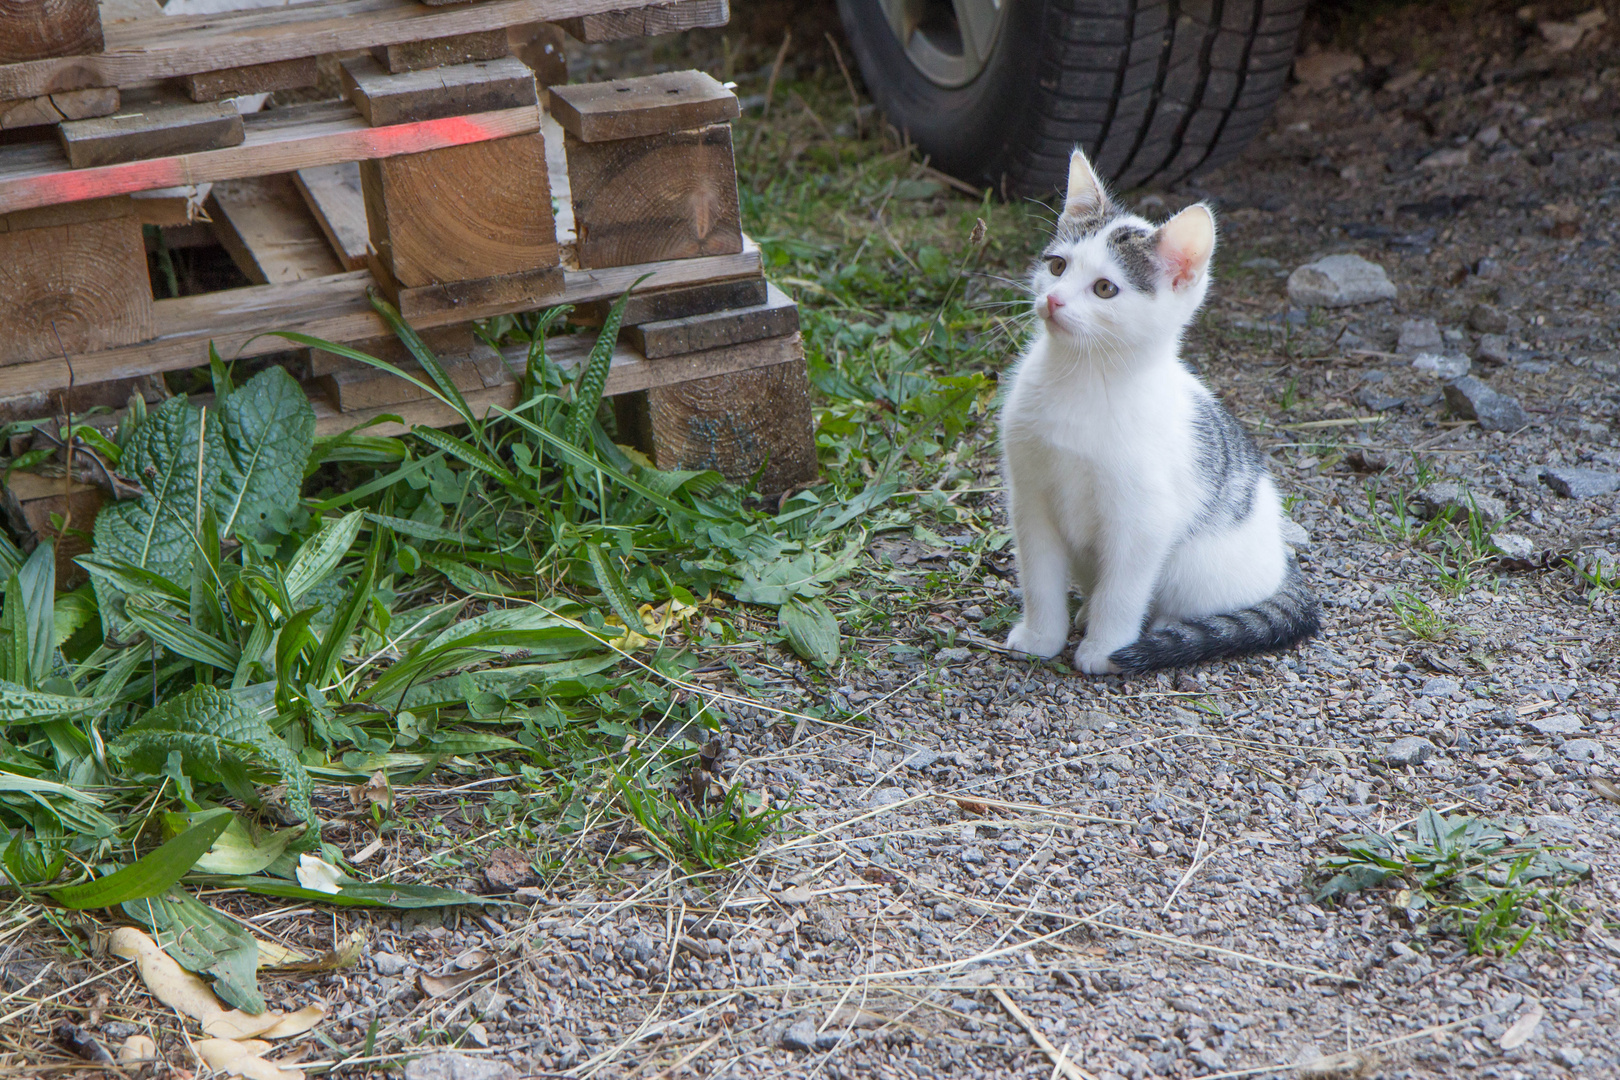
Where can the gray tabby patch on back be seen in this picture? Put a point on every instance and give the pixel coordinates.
(1229, 464)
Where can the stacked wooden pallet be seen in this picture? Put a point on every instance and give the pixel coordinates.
(443, 177)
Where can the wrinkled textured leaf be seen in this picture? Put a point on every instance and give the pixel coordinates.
(19, 704)
(811, 630)
(269, 429)
(214, 733)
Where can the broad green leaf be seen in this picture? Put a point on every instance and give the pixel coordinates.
(152, 873)
(19, 705)
(318, 556)
(360, 894)
(10, 781)
(214, 734)
(269, 429)
(811, 630)
(805, 575)
(200, 939)
(505, 682)
(179, 637)
(37, 581)
(236, 852)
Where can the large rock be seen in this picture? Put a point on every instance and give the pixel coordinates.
(1417, 336)
(1473, 400)
(458, 1067)
(1494, 349)
(1339, 281)
(1441, 365)
(1433, 500)
(1581, 483)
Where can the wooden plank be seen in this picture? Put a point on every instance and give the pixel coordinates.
(81, 399)
(473, 298)
(333, 195)
(462, 213)
(36, 29)
(630, 372)
(648, 21)
(657, 197)
(481, 86)
(446, 342)
(252, 79)
(544, 48)
(170, 207)
(240, 321)
(154, 131)
(73, 287)
(268, 230)
(648, 105)
(659, 305)
(30, 501)
(734, 424)
(356, 391)
(144, 50)
(54, 108)
(280, 140)
(458, 49)
(671, 337)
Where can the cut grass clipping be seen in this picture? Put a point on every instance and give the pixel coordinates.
(1494, 884)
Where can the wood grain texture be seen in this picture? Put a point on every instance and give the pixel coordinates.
(446, 342)
(280, 140)
(153, 132)
(657, 305)
(30, 500)
(462, 213)
(78, 287)
(242, 322)
(36, 29)
(477, 298)
(734, 424)
(437, 52)
(54, 108)
(648, 21)
(671, 337)
(252, 79)
(333, 195)
(658, 197)
(481, 86)
(647, 105)
(269, 232)
(142, 50)
(355, 391)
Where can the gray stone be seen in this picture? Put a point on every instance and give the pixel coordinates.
(1488, 268)
(1441, 365)
(954, 656)
(1494, 349)
(1433, 500)
(944, 912)
(1584, 750)
(458, 1067)
(1294, 534)
(1490, 319)
(1569, 1057)
(801, 1036)
(921, 759)
(1471, 399)
(1581, 483)
(1562, 724)
(886, 796)
(1339, 281)
(1412, 750)
(973, 856)
(388, 964)
(1370, 397)
(1418, 336)
(828, 1040)
(1513, 545)
(1440, 686)
(1210, 1059)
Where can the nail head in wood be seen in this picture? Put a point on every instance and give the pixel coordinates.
(648, 105)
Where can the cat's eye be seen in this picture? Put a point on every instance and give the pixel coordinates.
(1105, 288)
(1056, 264)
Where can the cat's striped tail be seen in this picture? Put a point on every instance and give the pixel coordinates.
(1290, 616)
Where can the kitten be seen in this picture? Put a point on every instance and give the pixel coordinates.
(1124, 471)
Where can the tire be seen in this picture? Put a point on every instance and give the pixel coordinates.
(1153, 90)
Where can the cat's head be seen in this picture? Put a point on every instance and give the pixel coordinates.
(1110, 278)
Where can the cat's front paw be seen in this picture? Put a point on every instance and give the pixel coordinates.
(1026, 639)
(1093, 660)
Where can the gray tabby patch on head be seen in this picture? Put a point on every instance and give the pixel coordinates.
(1134, 248)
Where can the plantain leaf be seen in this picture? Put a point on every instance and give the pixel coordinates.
(613, 587)
(318, 556)
(202, 940)
(153, 872)
(215, 736)
(811, 630)
(269, 430)
(593, 376)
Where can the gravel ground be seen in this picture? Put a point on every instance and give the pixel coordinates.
(998, 861)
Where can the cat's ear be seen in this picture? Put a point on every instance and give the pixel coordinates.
(1086, 195)
(1185, 243)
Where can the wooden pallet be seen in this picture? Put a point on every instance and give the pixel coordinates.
(326, 204)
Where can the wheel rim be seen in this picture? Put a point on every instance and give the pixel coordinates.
(948, 41)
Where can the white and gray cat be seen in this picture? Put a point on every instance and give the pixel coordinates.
(1124, 473)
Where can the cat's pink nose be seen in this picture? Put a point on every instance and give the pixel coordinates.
(1052, 304)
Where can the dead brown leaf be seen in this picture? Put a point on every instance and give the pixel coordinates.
(374, 792)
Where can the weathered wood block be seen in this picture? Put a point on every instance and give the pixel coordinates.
(81, 398)
(462, 213)
(458, 343)
(352, 391)
(253, 79)
(648, 21)
(671, 196)
(658, 305)
(31, 499)
(269, 232)
(777, 317)
(73, 279)
(730, 423)
(484, 86)
(544, 47)
(334, 197)
(37, 29)
(648, 105)
(456, 49)
(155, 131)
(477, 298)
(55, 108)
